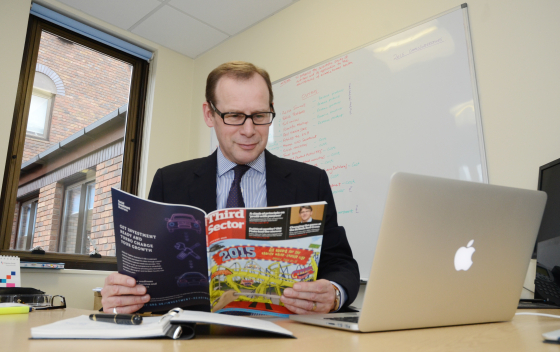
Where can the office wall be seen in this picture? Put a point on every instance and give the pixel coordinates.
(13, 26)
(516, 52)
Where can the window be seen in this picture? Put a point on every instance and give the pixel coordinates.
(44, 92)
(76, 219)
(76, 133)
(39, 114)
(26, 224)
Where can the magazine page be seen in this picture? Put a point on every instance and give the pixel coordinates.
(255, 253)
(162, 246)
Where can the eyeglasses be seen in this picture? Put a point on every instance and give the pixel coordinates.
(239, 118)
(61, 305)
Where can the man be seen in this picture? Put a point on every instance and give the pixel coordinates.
(239, 105)
(306, 214)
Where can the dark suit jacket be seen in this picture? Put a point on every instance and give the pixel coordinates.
(193, 183)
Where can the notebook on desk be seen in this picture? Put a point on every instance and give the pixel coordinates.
(176, 324)
(449, 253)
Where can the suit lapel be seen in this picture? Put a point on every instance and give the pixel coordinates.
(279, 190)
(202, 192)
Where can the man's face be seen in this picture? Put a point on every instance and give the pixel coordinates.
(239, 144)
(305, 214)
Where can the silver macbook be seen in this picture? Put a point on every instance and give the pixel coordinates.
(449, 253)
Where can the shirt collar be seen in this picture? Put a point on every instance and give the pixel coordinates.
(224, 165)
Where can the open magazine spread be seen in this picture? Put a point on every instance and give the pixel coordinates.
(235, 261)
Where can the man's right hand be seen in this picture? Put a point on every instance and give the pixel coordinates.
(122, 292)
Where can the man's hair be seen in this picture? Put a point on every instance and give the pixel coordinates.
(305, 207)
(240, 70)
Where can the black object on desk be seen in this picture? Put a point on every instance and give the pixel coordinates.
(125, 319)
(33, 297)
(536, 304)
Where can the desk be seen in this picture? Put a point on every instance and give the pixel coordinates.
(521, 334)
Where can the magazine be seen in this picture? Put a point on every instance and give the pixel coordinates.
(235, 261)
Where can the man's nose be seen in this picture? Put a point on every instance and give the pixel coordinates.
(248, 128)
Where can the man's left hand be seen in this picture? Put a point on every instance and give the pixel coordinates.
(310, 297)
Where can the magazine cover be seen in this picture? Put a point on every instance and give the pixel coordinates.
(235, 261)
(162, 246)
(251, 262)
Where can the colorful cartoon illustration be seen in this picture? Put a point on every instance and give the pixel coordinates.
(256, 283)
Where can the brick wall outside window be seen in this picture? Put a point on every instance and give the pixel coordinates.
(49, 209)
(108, 174)
(95, 85)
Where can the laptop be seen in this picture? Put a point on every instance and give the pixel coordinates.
(449, 252)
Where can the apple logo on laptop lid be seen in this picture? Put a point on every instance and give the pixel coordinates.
(463, 257)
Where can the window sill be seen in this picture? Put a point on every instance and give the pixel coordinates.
(71, 261)
(37, 137)
(67, 271)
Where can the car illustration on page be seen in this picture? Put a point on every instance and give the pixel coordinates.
(182, 222)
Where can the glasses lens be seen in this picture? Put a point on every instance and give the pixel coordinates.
(234, 119)
(262, 118)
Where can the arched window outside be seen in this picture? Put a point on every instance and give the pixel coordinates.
(40, 110)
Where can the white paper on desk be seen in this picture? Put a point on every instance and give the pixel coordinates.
(188, 316)
(83, 328)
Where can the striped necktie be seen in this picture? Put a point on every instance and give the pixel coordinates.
(235, 197)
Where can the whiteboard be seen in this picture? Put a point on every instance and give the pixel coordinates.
(407, 102)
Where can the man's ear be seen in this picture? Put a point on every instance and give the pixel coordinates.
(208, 114)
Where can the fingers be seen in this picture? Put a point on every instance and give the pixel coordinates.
(319, 286)
(124, 304)
(124, 310)
(122, 292)
(309, 297)
(298, 310)
(300, 306)
(116, 290)
(318, 291)
(120, 279)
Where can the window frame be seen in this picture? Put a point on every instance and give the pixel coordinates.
(132, 139)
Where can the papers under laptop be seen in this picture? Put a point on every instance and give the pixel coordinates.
(449, 253)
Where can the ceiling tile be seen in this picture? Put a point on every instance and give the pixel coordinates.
(121, 13)
(179, 32)
(230, 16)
